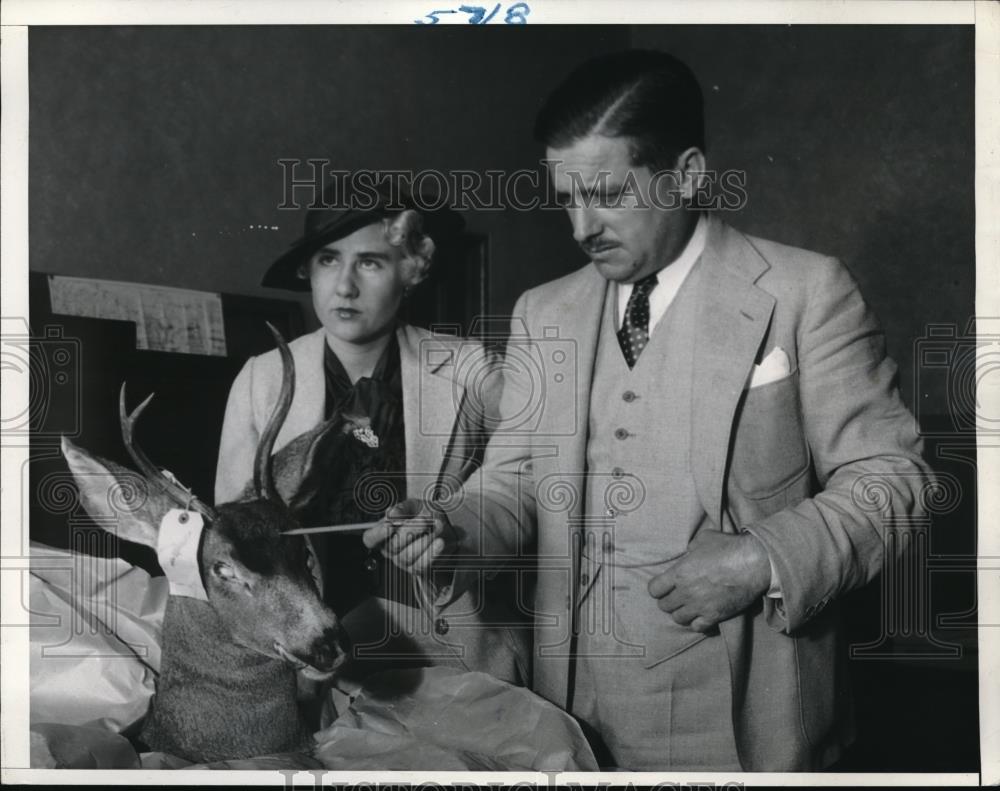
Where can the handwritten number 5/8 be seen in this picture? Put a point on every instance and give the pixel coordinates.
(517, 14)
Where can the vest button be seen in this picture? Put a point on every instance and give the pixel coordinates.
(618, 472)
(628, 396)
(621, 433)
(441, 626)
(584, 578)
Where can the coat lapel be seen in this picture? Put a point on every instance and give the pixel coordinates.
(431, 396)
(733, 318)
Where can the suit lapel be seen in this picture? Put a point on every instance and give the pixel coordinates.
(430, 399)
(733, 318)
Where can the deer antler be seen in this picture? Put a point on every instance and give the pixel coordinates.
(263, 481)
(181, 495)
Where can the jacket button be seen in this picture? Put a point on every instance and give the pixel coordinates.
(441, 626)
(584, 578)
(621, 433)
(628, 396)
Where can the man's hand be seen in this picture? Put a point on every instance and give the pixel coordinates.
(413, 535)
(719, 576)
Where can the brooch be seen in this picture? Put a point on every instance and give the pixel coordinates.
(366, 436)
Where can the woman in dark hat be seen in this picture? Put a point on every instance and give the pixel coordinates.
(401, 411)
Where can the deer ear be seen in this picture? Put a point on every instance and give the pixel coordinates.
(117, 498)
(299, 468)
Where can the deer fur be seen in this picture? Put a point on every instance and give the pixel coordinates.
(227, 683)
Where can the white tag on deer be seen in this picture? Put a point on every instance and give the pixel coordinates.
(177, 551)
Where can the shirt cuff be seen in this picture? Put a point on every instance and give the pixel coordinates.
(774, 591)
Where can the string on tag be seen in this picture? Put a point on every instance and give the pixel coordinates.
(190, 495)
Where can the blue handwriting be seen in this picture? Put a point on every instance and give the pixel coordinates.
(517, 14)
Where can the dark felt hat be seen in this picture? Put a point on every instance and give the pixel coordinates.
(346, 208)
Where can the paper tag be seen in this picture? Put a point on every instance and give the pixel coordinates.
(177, 551)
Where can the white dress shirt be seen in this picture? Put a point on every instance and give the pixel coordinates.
(669, 279)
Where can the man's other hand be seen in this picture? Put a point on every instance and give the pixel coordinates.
(412, 535)
(719, 576)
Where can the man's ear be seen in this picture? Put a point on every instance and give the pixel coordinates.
(118, 499)
(691, 172)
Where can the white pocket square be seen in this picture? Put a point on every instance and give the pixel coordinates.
(772, 368)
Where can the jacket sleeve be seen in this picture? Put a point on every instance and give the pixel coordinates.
(239, 439)
(496, 517)
(866, 457)
(477, 415)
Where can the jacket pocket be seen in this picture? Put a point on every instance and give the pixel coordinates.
(769, 447)
(644, 626)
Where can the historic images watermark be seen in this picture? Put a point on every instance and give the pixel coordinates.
(316, 183)
(298, 778)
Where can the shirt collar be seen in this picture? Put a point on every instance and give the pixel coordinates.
(670, 277)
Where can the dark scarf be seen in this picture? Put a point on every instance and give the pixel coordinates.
(363, 481)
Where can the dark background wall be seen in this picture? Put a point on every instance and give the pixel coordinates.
(857, 142)
(154, 150)
(154, 159)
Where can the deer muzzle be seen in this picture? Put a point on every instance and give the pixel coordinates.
(325, 656)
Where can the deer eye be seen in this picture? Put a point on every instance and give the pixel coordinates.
(224, 571)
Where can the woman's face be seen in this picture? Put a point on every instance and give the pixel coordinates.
(357, 285)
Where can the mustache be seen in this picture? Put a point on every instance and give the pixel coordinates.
(598, 245)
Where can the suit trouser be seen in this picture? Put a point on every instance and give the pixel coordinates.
(658, 694)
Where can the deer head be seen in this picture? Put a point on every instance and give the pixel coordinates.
(257, 579)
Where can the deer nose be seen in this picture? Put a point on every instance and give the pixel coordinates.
(331, 650)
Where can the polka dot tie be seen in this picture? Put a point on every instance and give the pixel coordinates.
(634, 333)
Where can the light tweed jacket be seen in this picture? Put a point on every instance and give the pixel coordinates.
(796, 462)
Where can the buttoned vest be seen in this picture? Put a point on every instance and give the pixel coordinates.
(659, 693)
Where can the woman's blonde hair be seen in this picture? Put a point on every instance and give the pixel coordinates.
(406, 230)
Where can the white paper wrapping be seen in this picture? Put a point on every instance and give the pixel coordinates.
(443, 719)
(94, 639)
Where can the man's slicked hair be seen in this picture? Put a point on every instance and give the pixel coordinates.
(650, 97)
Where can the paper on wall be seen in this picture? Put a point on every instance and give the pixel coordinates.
(166, 319)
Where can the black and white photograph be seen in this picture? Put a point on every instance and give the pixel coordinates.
(432, 388)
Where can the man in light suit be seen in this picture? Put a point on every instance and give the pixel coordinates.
(723, 468)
